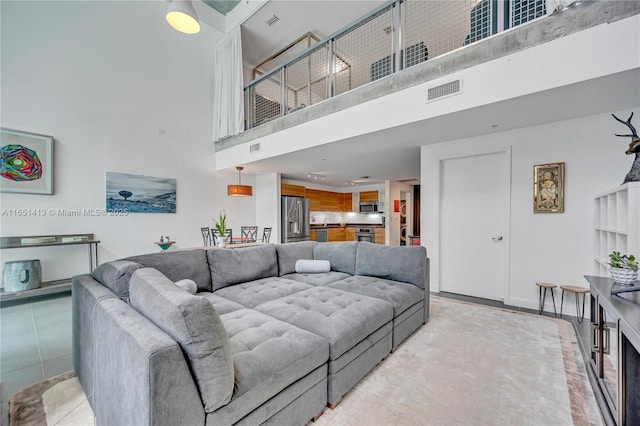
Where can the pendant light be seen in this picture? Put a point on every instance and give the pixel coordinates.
(239, 190)
(183, 17)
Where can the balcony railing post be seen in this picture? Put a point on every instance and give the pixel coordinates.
(330, 89)
(283, 90)
(396, 39)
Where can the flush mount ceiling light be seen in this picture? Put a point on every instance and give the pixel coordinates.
(183, 17)
(239, 190)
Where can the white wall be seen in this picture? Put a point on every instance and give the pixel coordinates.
(120, 91)
(268, 206)
(555, 248)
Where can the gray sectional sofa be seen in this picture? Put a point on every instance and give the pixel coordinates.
(237, 336)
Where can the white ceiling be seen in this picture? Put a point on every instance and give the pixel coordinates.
(322, 18)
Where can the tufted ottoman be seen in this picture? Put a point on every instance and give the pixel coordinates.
(407, 300)
(358, 328)
(255, 292)
(270, 358)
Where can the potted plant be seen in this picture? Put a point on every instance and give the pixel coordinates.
(221, 227)
(624, 268)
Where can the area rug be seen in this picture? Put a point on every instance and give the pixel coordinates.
(469, 365)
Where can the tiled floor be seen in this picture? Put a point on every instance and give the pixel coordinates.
(35, 344)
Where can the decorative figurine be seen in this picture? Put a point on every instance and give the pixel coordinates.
(634, 148)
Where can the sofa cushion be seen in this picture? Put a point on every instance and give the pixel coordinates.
(178, 265)
(193, 322)
(220, 304)
(341, 255)
(234, 266)
(253, 293)
(289, 253)
(401, 295)
(269, 356)
(116, 276)
(308, 266)
(318, 279)
(343, 318)
(403, 263)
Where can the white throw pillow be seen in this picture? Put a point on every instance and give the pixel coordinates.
(308, 266)
(188, 285)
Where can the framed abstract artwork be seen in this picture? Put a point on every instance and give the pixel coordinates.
(26, 162)
(140, 194)
(548, 188)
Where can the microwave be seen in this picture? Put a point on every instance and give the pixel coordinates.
(368, 207)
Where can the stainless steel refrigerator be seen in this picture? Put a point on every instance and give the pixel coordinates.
(295, 219)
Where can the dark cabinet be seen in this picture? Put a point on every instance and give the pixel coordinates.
(615, 349)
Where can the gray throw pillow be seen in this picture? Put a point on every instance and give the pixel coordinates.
(188, 285)
(193, 323)
(116, 276)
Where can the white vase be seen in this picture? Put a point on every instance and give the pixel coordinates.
(222, 242)
(624, 276)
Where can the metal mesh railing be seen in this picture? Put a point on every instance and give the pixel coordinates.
(395, 37)
(364, 52)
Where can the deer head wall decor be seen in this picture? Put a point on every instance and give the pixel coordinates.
(634, 148)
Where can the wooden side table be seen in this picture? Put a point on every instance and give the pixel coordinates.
(577, 291)
(542, 294)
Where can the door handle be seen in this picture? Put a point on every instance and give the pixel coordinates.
(498, 238)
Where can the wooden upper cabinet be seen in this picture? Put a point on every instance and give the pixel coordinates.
(369, 196)
(292, 190)
(347, 202)
(324, 201)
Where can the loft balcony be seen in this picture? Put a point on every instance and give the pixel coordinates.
(403, 44)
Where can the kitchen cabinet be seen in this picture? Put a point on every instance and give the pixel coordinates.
(292, 190)
(312, 234)
(347, 202)
(350, 234)
(325, 201)
(379, 239)
(335, 234)
(368, 196)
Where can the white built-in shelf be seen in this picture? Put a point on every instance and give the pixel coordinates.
(616, 225)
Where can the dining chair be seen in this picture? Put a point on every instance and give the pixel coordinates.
(266, 235)
(207, 239)
(249, 234)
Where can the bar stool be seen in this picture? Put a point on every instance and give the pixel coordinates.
(577, 291)
(542, 294)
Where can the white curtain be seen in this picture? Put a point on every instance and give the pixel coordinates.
(228, 105)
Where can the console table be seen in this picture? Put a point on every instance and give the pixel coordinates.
(48, 287)
(615, 348)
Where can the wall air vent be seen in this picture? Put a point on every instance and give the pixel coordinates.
(444, 90)
(255, 147)
(271, 20)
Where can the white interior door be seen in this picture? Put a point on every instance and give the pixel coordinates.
(472, 225)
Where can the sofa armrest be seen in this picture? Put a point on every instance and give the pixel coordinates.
(141, 376)
(427, 292)
(85, 295)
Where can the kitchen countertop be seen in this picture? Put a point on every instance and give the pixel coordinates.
(346, 225)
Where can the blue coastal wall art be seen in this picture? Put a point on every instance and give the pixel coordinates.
(140, 194)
